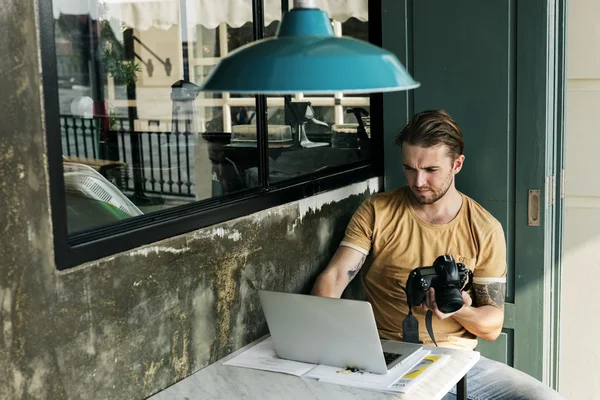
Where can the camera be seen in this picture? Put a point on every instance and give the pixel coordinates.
(446, 277)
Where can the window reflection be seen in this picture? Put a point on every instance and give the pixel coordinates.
(137, 135)
(326, 131)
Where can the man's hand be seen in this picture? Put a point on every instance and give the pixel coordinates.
(431, 304)
(483, 317)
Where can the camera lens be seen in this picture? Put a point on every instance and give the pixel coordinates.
(449, 300)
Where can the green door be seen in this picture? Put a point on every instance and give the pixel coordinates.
(485, 63)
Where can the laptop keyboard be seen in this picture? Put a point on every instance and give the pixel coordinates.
(390, 357)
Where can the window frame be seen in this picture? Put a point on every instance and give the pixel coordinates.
(75, 249)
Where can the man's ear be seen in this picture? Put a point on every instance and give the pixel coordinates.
(458, 164)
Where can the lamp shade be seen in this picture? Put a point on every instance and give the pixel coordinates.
(306, 57)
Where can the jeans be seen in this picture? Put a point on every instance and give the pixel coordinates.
(492, 380)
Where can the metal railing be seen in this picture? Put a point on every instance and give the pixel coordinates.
(151, 163)
(80, 137)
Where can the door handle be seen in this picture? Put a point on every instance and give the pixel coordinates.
(533, 208)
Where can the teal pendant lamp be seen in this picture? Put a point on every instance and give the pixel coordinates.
(306, 57)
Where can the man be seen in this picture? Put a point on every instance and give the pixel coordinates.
(410, 227)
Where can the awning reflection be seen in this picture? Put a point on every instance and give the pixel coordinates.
(162, 14)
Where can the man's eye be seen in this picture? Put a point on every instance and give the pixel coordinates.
(431, 169)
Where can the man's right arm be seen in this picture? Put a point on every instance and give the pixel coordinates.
(343, 267)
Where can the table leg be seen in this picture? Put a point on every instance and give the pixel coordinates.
(461, 389)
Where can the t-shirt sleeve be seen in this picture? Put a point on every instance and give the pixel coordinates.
(491, 265)
(359, 232)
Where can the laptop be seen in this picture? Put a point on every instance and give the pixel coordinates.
(335, 332)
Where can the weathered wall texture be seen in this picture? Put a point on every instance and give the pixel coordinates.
(130, 325)
(127, 326)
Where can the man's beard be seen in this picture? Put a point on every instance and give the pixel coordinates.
(435, 194)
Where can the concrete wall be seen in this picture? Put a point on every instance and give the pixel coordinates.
(129, 325)
(580, 318)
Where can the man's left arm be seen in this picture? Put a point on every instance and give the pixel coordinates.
(484, 318)
(483, 315)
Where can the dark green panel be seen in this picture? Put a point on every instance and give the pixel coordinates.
(464, 56)
(497, 350)
(397, 106)
(462, 50)
(531, 168)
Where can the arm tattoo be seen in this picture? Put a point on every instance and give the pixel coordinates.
(491, 294)
(354, 270)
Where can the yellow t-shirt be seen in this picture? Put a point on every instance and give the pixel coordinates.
(387, 229)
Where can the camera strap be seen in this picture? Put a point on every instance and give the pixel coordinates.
(410, 328)
(410, 325)
(429, 325)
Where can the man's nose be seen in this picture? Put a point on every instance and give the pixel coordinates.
(420, 179)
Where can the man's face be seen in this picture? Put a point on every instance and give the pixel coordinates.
(429, 171)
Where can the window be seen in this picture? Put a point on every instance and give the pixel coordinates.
(138, 154)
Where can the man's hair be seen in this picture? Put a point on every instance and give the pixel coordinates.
(433, 128)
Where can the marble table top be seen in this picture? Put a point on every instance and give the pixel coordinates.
(218, 381)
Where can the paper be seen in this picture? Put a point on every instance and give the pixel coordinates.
(424, 368)
(403, 378)
(363, 379)
(262, 356)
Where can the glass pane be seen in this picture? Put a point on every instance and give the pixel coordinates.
(313, 133)
(137, 136)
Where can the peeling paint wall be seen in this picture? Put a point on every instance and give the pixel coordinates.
(132, 324)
